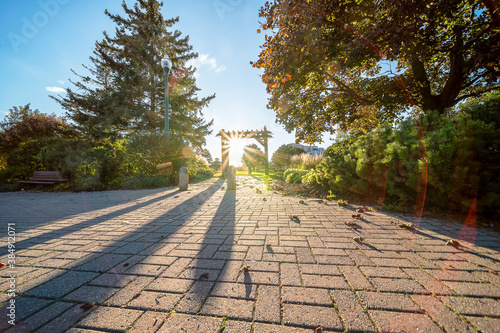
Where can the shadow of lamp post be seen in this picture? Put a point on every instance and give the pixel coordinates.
(166, 63)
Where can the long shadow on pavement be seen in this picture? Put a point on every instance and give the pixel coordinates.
(134, 249)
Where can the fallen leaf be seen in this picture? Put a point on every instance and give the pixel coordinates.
(87, 306)
(204, 276)
(453, 242)
(126, 264)
(2, 264)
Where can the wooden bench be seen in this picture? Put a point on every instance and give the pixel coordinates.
(44, 177)
(165, 168)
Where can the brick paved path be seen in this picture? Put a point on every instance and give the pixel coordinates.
(211, 260)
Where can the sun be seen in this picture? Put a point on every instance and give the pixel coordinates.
(236, 151)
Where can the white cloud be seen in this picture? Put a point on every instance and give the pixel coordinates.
(206, 60)
(4, 112)
(60, 81)
(220, 69)
(56, 90)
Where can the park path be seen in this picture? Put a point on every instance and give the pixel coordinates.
(250, 260)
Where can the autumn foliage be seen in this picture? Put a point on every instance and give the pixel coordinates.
(354, 64)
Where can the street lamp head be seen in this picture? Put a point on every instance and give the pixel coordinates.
(166, 63)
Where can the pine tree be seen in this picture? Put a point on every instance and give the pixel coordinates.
(124, 91)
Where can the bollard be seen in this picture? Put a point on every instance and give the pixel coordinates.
(183, 179)
(231, 178)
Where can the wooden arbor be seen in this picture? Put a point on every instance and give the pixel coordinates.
(226, 137)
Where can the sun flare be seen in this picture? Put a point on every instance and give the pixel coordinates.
(236, 151)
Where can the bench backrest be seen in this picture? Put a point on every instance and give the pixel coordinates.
(47, 176)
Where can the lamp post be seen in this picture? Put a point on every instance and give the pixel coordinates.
(166, 63)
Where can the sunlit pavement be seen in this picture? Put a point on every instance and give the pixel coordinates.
(212, 260)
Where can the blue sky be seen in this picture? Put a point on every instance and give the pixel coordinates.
(42, 41)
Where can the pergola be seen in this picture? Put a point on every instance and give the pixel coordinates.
(226, 137)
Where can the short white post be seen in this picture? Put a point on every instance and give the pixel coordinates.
(231, 178)
(183, 179)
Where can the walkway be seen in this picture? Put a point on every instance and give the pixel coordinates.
(251, 260)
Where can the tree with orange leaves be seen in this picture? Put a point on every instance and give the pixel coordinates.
(354, 63)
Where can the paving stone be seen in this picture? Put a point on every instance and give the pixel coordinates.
(63, 322)
(474, 289)
(234, 290)
(334, 260)
(354, 317)
(418, 260)
(320, 269)
(228, 307)
(473, 306)
(441, 314)
(200, 274)
(107, 318)
(430, 283)
(250, 277)
(290, 275)
(448, 275)
(398, 285)
(311, 316)
(104, 262)
(360, 258)
(393, 262)
(209, 264)
(112, 280)
(176, 268)
(90, 294)
(484, 324)
(146, 269)
(263, 266)
(388, 301)
(325, 281)
(304, 256)
(149, 322)
(268, 328)
(300, 295)
(233, 326)
(355, 278)
(25, 307)
(39, 318)
(267, 306)
(231, 271)
(170, 285)
(396, 322)
(383, 272)
(124, 295)
(62, 285)
(156, 301)
(195, 297)
(489, 277)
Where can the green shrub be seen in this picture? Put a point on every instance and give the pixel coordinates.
(454, 159)
(294, 175)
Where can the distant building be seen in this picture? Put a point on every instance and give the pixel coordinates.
(311, 150)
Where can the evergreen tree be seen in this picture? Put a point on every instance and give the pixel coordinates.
(124, 91)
